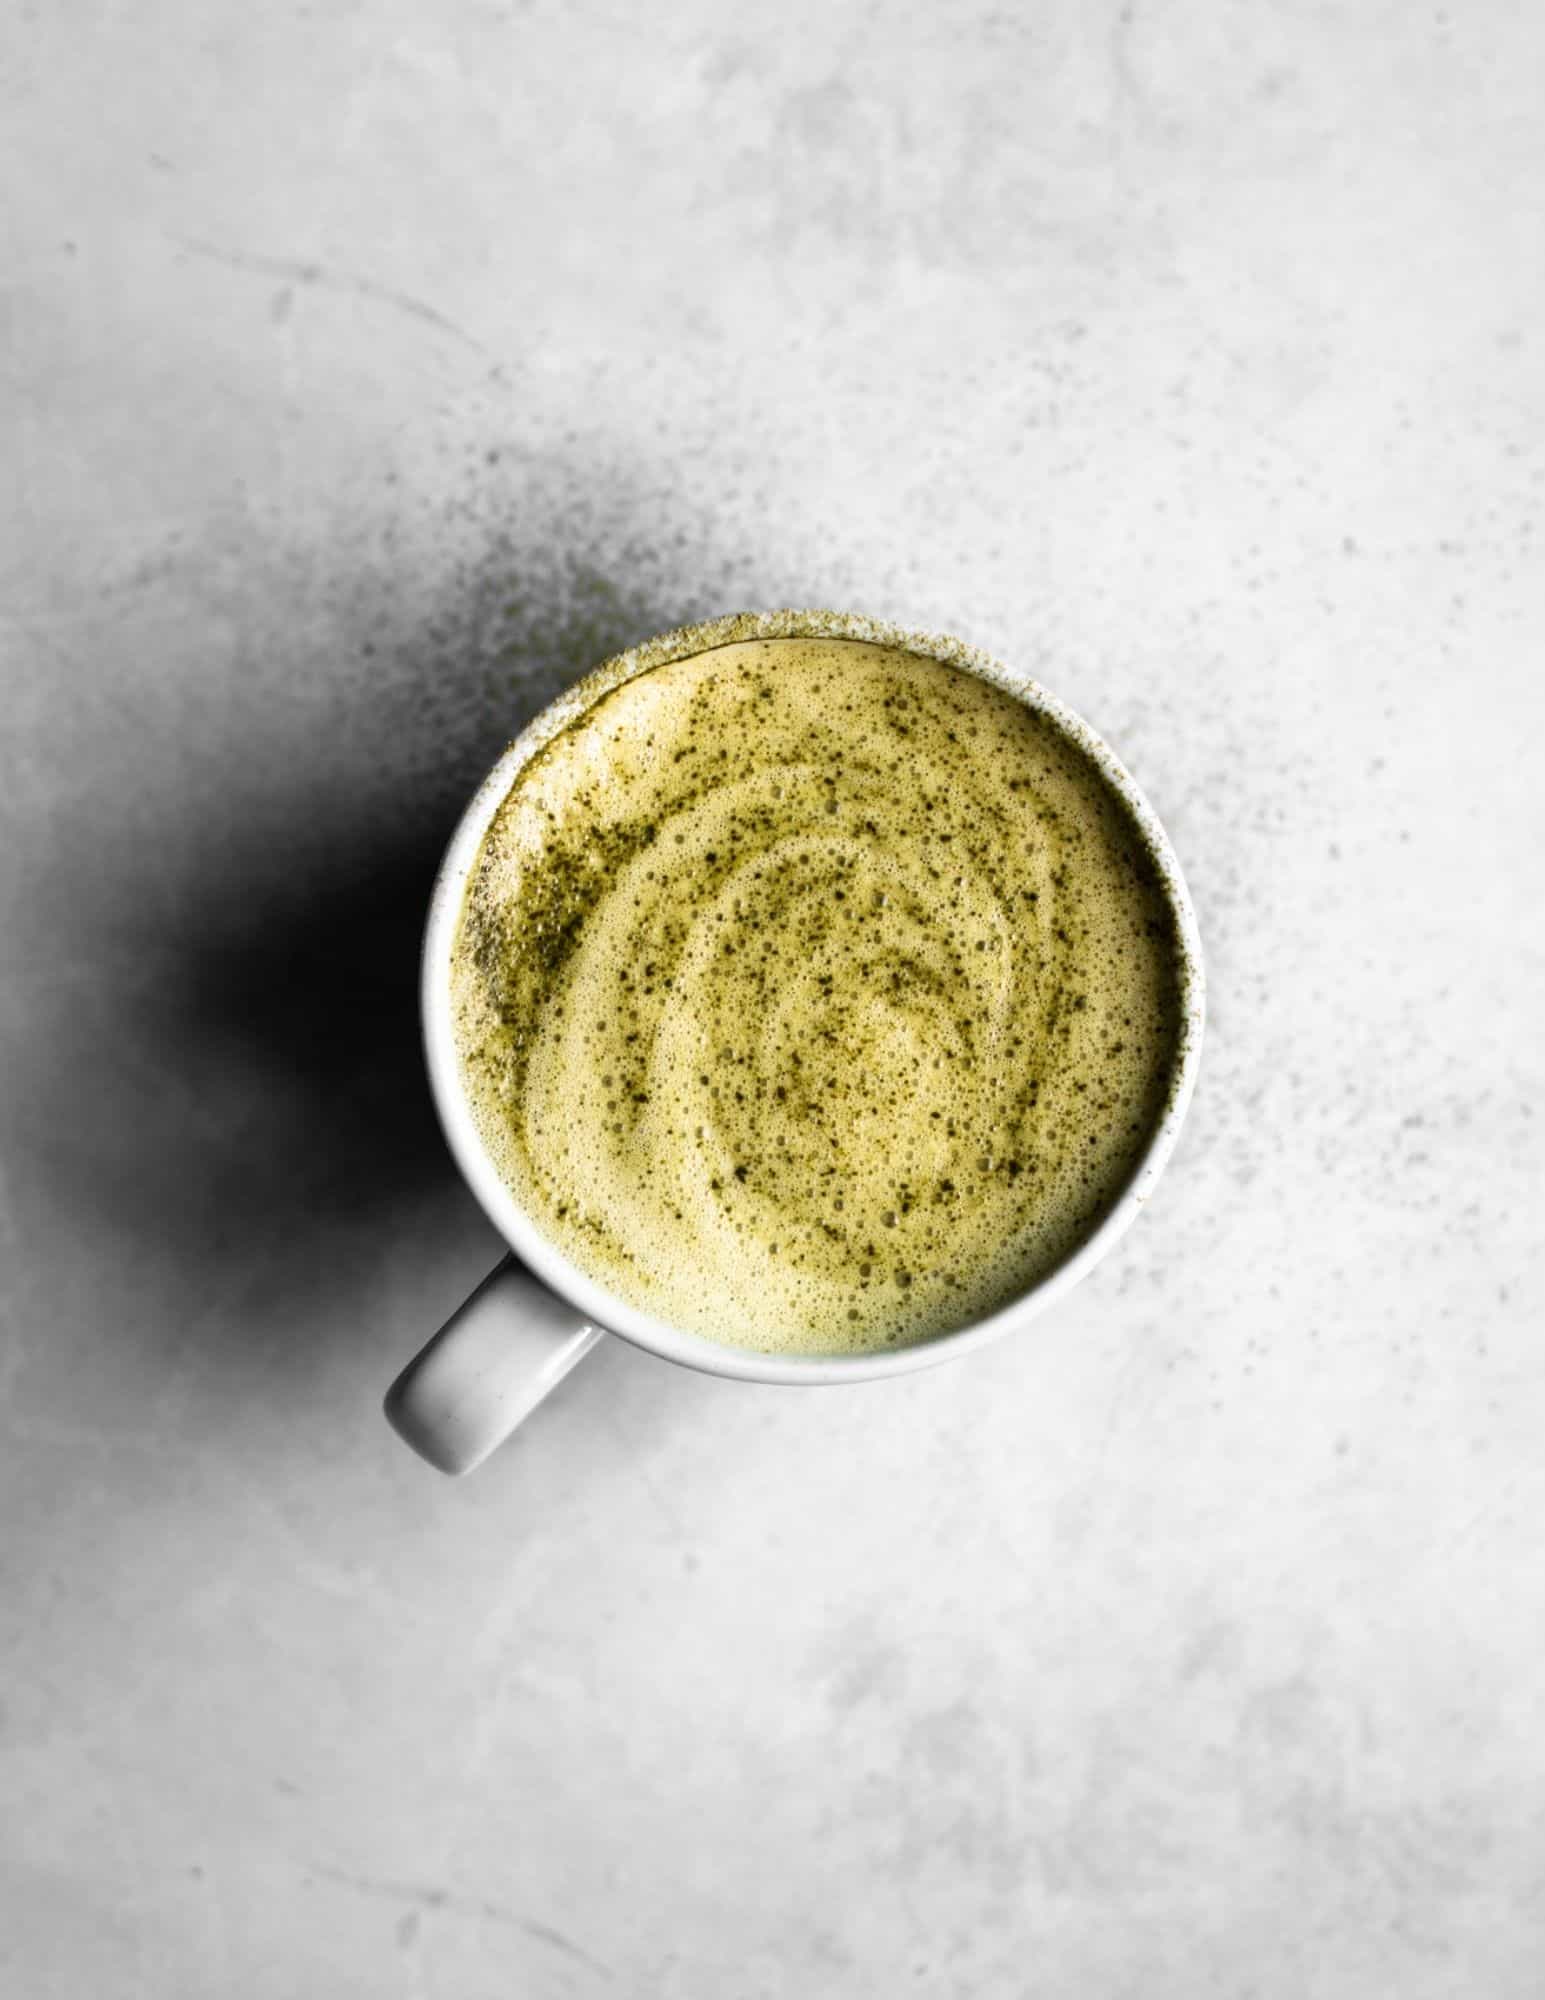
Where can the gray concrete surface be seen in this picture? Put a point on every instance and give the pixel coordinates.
(367, 372)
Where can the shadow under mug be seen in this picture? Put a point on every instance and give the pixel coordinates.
(537, 1314)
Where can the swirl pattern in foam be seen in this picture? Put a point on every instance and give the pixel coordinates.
(815, 995)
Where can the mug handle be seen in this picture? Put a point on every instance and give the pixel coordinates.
(488, 1367)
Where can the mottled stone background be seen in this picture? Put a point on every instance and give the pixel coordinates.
(367, 372)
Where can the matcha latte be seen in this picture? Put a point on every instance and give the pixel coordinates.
(814, 995)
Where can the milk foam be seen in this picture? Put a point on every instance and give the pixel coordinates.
(815, 996)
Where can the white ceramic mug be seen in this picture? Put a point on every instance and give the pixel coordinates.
(537, 1313)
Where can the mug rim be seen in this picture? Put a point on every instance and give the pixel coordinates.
(593, 1301)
